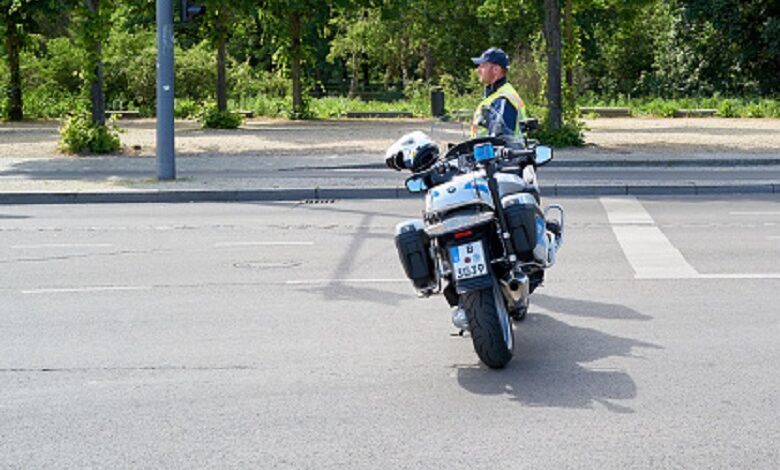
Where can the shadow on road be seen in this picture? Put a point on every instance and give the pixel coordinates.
(337, 289)
(548, 368)
(588, 308)
(390, 235)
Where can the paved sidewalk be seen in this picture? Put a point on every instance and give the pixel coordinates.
(280, 160)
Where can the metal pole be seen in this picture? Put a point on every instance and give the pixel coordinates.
(166, 165)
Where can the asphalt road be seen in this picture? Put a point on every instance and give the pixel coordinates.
(284, 336)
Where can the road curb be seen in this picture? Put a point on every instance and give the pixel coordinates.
(691, 189)
(327, 194)
(704, 162)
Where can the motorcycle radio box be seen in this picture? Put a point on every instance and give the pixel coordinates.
(484, 152)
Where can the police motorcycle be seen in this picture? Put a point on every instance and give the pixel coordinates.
(484, 241)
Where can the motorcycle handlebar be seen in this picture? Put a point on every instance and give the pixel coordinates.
(505, 157)
(516, 156)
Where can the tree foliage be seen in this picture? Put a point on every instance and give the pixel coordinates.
(750, 35)
(285, 51)
(18, 20)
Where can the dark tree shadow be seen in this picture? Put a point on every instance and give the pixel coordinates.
(336, 289)
(340, 210)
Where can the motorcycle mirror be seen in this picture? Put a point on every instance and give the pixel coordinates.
(416, 184)
(543, 155)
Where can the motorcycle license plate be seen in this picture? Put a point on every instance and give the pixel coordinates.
(468, 260)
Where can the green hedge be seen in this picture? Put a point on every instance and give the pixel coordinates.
(659, 107)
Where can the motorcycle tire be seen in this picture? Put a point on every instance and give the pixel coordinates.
(490, 327)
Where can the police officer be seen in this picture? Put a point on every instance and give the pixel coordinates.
(501, 110)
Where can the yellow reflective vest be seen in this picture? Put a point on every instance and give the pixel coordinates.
(507, 92)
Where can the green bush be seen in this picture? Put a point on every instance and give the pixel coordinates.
(659, 107)
(185, 108)
(569, 135)
(212, 118)
(55, 68)
(761, 109)
(726, 107)
(270, 106)
(196, 72)
(244, 81)
(130, 70)
(81, 135)
(772, 108)
(43, 103)
(335, 107)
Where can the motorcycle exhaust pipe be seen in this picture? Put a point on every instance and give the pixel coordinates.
(516, 287)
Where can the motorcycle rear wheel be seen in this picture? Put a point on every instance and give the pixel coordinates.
(491, 328)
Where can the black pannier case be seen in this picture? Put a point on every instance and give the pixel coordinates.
(521, 219)
(413, 250)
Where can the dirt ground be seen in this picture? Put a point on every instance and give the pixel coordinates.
(269, 137)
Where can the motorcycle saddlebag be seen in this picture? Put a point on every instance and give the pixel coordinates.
(412, 244)
(520, 211)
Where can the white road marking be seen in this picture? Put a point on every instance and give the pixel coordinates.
(626, 211)
(70, 290)
(755, 213)
(63, 245)
(232, 244)
(740, 276)
(344, 281)
(650, 253)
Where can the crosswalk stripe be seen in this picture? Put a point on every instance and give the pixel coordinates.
(650, 253)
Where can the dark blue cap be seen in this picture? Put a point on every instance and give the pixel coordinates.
(493, 55)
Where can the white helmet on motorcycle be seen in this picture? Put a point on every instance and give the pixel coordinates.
(414, 151)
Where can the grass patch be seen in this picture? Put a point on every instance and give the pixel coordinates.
(663, 107)
(338, 107)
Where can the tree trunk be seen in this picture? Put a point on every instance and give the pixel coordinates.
(98, 97)
(221, 80)
(295, 61)
(366, 69)
(96, 89)
(354, 81)
(552, 32)
(12, 44)
(402, 65)
(568, 37)
(388, 78)
(428, 61)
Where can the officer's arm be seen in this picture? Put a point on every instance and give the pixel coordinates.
(504, 118)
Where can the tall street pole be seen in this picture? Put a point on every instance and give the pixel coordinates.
(166, 165)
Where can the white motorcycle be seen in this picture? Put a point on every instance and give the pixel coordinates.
(484, 241)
